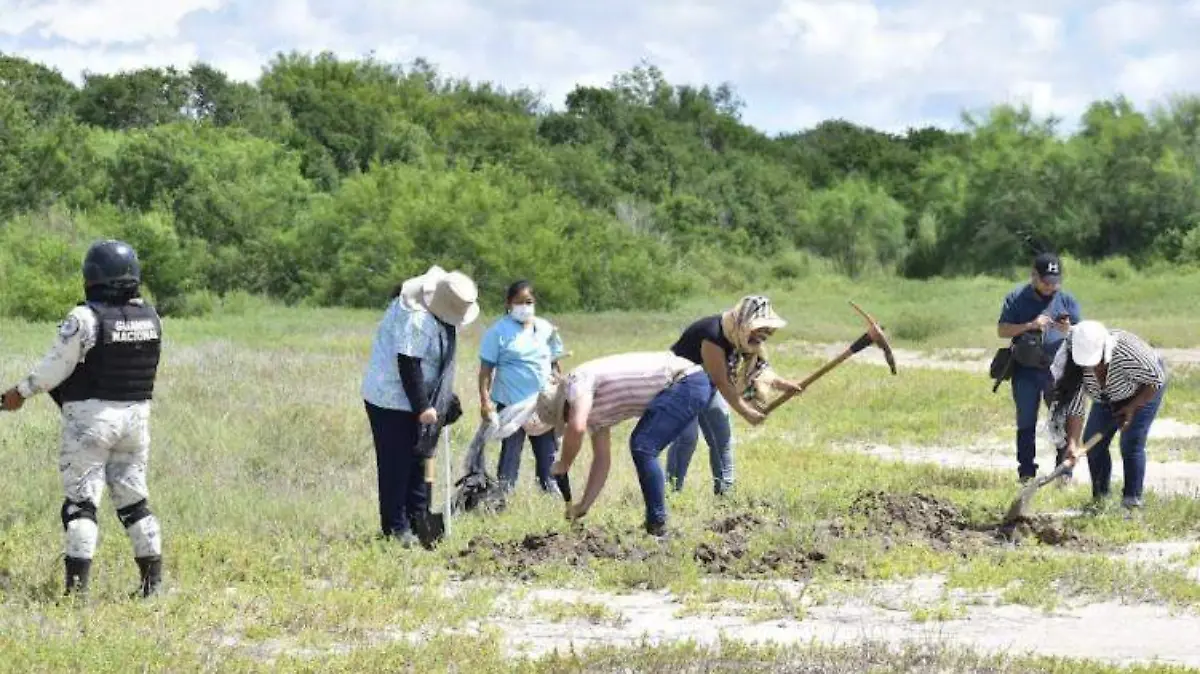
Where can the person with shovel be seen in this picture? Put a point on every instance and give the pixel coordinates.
(722, 343)
(518, 353)
(1035, 317)
(1126, 380)
(408, 391)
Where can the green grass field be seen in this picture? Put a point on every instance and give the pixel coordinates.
(263, 475)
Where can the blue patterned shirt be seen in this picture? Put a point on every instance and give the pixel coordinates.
(402, 331)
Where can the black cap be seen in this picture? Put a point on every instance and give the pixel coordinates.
(1048, 267)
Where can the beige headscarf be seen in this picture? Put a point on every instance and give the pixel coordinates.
(749, 368)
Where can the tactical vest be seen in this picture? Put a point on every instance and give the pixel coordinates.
(124, 361)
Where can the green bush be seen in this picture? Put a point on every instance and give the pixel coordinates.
(41, 260)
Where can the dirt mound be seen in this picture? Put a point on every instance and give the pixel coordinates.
(520, 557)
(1045, 529)
(944, 526)
(735, 523)
(920, 515)
(732, 555)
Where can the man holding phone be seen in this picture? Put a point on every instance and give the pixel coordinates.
(1036, 316)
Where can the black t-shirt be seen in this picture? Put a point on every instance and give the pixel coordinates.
(708, 328)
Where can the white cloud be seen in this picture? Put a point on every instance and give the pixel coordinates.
(1044, 32)
(103, 21)
(887, 63)
(1156, 76)
(1125, 22)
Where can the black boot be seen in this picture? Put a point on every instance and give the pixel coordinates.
(77, 570)
(151, 571)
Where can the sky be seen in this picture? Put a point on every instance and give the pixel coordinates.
(889, 64)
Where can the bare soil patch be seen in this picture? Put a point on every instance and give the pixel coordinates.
(520, 558)
(733, 554)
(748, 545)
(941, 524)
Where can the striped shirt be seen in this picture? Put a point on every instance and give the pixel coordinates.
(1131, 364)
(621, 386)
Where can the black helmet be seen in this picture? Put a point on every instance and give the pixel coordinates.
(111, 263)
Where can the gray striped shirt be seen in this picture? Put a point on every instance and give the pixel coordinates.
(1132, 364)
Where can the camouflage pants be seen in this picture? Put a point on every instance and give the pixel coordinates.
(107, 444)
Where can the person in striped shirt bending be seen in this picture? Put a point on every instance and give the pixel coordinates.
(1126, 380)
(666, 391)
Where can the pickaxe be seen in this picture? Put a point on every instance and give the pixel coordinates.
(873, 335)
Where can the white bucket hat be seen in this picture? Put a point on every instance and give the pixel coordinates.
(450, 296)
(1090, 343)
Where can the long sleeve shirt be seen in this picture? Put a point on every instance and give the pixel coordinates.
(1132, 363)
(76, 336)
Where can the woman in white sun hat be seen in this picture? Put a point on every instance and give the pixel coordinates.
(1126, 380)
(408, 388)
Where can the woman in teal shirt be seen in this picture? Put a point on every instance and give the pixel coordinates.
(518, 353)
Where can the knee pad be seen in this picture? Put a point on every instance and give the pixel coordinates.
(76, 510)
(134, 513)
(82, 532)
(142, 527)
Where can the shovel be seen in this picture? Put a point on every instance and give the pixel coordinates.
(1020, 506)
(433, 527)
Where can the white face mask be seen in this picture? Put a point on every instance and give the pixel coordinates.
(521, 312)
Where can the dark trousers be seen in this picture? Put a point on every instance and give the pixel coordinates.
(667, 415)
(544, 447)
(403, 492)
(1030, 389)
(1133, 447)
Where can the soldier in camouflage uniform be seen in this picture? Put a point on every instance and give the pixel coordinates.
(101, 372)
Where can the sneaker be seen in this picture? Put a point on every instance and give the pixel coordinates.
(1131, 502)
(405, 539)
(1024, 479)
(657, 529)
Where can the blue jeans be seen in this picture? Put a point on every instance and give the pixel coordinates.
(1133, 447)
(664, 419)
(1030, 390)
(714, 421)
(544, 448)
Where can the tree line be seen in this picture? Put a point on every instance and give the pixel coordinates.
(328, 180)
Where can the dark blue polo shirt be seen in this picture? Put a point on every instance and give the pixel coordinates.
(1023, 304)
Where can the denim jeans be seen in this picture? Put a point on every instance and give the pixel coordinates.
(1133, 447)
(403, 492)
(544, 448)
(664, 419)
(714, 421)
(1030, 389)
